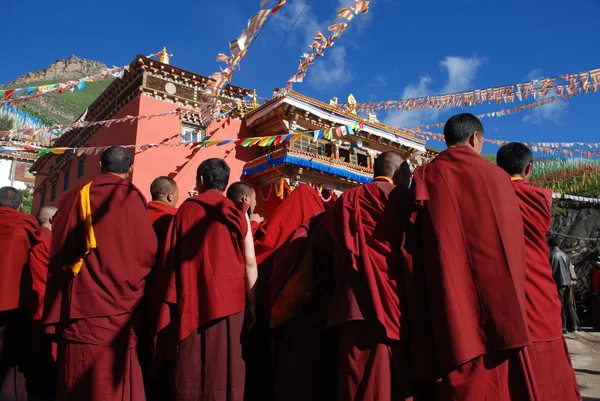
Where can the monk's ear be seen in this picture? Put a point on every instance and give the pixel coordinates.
(528, 169)
(20, 209)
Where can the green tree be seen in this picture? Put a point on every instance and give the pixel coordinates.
(6, 123)
(27, 201)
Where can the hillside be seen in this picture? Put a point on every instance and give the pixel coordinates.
(61, 108)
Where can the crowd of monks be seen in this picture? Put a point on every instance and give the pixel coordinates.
(425, 285)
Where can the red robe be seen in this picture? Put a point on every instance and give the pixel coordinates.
(366, 297)
(303, 203)
(93, 313)
(205, 297)
(18, 233)
(38, 263)
(304, 350)
(551, 364)
(465, 254)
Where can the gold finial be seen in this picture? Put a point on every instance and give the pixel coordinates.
(165, 57)
(373, 118)
(254, 103)
(333, 102)
(352, 104)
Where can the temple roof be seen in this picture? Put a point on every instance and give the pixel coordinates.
(336, 115)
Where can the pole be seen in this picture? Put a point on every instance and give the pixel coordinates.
(12, 171)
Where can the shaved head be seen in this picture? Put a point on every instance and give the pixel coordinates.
(11, 197)
(387, 163)
(164, 189)
(242, 192)
(45, 215)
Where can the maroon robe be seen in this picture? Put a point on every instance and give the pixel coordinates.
(365, 305)
(303, 203)
(465, 254)
(41, 372)
(205, 297)
(18, 234)
(94, 313)
(550, 361)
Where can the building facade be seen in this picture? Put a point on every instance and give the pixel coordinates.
(333, 163)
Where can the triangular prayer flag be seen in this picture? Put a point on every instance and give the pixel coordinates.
(264, 141)
(278, 6)
(338, 131)
(264, 3)
(30, 90)
(81, 85)
(246, 142)
(2, 91)
(255, 141)
(8, 93)
(271, 140)
(278, 139)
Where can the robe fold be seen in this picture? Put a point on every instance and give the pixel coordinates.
(41, 372)
(304, 350)
(366, 304)
(303, 203)
(551, 364)
(155, 371)
(94, 312)
(204, 273)
(465, 259)
(18, 234)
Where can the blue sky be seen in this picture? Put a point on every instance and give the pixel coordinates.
(398, 50)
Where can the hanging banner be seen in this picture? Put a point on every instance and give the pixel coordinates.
(573, 84)
(238, 47)
(320, 42)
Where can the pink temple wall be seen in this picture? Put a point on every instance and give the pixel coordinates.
(181, 162)
(116, 134)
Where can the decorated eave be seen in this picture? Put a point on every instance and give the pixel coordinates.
(336, 116)
(291, 162)
(144, 76)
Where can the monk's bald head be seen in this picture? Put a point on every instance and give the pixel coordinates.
(242, 192)
(392, 165)
(45, 216)
(11, 197)
(164, 189)
(116, 160)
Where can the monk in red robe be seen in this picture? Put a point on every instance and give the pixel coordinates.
(365, 305)
(465, 284)
(103, 247)
(161, 209)
(41, 372)
(18, 234)
(243, 192)
(550, 361)
(210, 273)
(302, 204)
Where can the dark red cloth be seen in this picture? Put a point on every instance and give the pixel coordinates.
(161, 215)
(39, 260)
(543, 307)
(495, 376)
(209, 364)
(13, 330)
(595, 277)
(368, 273)
(298, 207)
(18, 234)
(552, 371)
(98, 373)
(368, 369)
(465, 255)
(112, 279)
(204, 267)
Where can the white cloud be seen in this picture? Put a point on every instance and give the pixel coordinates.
(307, 25)
(551, 112)
(331, 71)
(381, 80)
(461, 72)
(461, 76)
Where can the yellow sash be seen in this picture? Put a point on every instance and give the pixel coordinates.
(90, 237)
(516, 179)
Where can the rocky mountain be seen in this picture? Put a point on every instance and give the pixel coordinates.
(61, 108)
(72, 68)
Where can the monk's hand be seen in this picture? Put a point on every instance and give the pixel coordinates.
(256, 217)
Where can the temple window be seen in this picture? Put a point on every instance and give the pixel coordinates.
(191, 133)
(53, 193)
(81, 167)
(66, 180)
(362, 159)
(42, 199)
(344, 155)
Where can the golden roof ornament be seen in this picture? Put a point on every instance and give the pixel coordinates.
(373, 118)
(352, 104)
(165, 57)
(333, 102)
(254, 102)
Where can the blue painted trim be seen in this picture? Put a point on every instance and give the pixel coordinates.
(312, 164)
